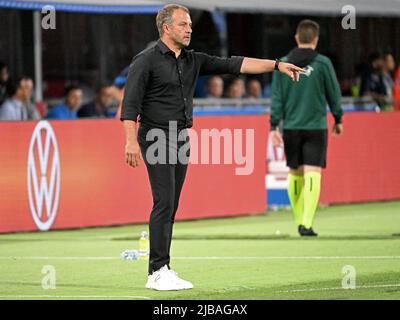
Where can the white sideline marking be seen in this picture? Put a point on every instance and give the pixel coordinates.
(340, 288)
(214, 258)
(72, 297)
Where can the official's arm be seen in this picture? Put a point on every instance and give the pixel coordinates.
(333, 96)
(276, 109)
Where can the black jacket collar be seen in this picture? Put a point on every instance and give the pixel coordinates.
(164, 49)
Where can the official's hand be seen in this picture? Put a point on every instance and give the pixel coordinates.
(337, 129)
(291, 70)
(132, 154)
(276, 138)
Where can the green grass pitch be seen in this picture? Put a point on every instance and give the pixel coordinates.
(252, 257)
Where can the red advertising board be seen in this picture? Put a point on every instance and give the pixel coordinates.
(70, 174)
(80, 178)
(363, 164)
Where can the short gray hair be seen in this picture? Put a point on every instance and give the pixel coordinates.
(164, 16)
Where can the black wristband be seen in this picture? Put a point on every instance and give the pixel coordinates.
(277, 61)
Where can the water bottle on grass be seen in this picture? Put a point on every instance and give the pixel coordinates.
(130, 255)
(144, 246)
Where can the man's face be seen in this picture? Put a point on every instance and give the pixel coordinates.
(378, 64)
(106, 97)
(216, 87)
(236, 89)
(180, 30)
(254, 89)
(389, 63)
(3, 75)
(74, 99)
(25, 89)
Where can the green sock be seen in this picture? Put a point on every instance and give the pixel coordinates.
(312, 190)
(295, 192)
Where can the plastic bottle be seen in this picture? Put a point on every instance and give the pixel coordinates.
(144, 246)
(130, 255)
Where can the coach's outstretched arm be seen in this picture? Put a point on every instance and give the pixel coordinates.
(254, 66)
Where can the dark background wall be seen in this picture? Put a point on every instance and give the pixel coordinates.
(95, 48)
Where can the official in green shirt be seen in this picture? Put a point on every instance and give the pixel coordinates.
(302, 108)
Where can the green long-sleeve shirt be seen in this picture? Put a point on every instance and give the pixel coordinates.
(302, 104)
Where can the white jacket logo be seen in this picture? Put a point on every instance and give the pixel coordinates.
(43, 175)
(308, 71)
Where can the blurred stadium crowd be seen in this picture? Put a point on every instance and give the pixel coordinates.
(379, 80)
(16, 100)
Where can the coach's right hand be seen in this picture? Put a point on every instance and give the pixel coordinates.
(276, 138)
(132, 154)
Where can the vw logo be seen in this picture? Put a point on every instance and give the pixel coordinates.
(43, 176)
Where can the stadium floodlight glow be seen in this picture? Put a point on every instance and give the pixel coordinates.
(43, 195)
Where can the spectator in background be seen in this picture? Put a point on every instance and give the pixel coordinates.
(215, 87)
(31, 109)
(396, 89)
(254, 90)
(387, 74)
(20, 107)
(4, 83)
(372, 81)
(119, 88)
(236, 89)
(67, 110)
(101, 107)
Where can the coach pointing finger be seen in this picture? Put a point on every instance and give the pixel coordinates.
(159, 94)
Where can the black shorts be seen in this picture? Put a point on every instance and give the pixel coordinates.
(305, 147)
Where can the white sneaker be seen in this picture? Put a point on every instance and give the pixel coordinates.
(183, 284)
(162, 280)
